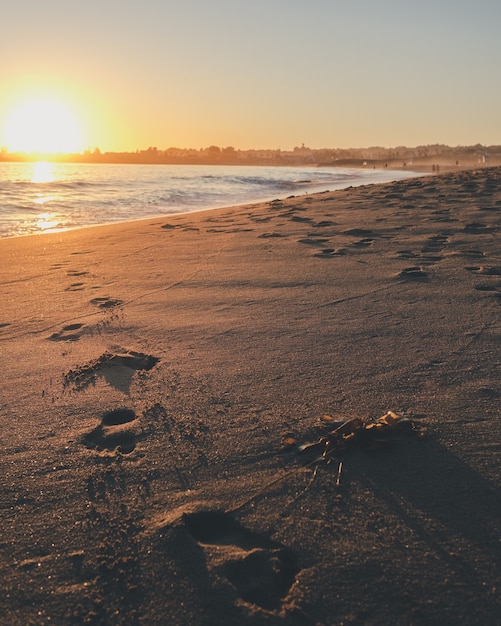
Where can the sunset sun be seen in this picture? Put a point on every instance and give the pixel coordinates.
(43, 125)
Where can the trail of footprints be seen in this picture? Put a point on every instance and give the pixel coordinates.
(363, 239)
(261, 571)
(73, 332)
(431, 252)
(320, 234)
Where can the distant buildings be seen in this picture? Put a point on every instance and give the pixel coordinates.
(420, 157)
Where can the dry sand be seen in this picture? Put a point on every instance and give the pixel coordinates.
(151, 370)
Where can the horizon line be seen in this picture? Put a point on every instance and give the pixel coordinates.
(4, 151)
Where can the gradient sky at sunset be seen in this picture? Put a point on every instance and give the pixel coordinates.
(260, 73)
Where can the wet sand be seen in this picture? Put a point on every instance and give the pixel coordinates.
(151, 372)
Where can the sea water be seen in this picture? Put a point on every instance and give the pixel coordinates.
(50, 197)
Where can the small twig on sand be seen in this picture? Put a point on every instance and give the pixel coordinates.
(275, 481)
(309, 484)
(339, 470)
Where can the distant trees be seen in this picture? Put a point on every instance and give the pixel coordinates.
(214, 153)
(423, 155)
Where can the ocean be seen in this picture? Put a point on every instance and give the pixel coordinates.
(50, 197)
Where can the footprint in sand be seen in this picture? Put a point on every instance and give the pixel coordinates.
(363, 243)
(71, 332)
(75, 287)
(106, 302)
(442, 215)
(477, 228)
(487, 270)
(489, 393)
(323, 224)
(270, 235)
(76, 273)
(261, 570)
(493, 290)
(406, 254)
(330, 253)
(430, 252)
(260, 220)
(186, 227)
(359, 232)
(313, 241)
(436, 243)
(483, 287)
(117, 369)
(118, 431)
(470, 253)
(413, 273)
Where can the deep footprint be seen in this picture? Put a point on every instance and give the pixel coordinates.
(328, 253)
(413, 273)
(75, 287)
(270, 235)
(68, 333)
(86, 375)
(263, 577)
(118, 431)
(106, 303)
(267, 571)
(219, 528)
(76, 273)
(486, 270)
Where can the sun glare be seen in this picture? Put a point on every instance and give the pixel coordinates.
(42, 172)
(42, 125)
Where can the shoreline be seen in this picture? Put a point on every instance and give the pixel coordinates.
(153, 372)
(309, 188)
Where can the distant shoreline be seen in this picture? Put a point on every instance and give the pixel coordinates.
(420, 158)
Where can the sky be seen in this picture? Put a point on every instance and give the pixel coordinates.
(252, 74)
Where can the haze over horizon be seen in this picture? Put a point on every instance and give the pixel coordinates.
(275, 74)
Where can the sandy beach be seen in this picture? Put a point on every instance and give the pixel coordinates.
(159, 378)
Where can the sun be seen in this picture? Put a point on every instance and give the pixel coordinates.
(42, 125)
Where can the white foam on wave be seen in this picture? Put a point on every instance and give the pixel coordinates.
(80, 195)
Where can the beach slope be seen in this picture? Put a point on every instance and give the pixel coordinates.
(158, 379)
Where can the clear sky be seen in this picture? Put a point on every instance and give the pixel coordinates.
(253, 73)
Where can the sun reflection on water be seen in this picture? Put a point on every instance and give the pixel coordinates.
(47, 222)
(42, 172)
(42, 199)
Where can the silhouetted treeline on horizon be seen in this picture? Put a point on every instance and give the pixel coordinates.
(417, 157)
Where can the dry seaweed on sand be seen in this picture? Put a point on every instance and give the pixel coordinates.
(342, 435)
